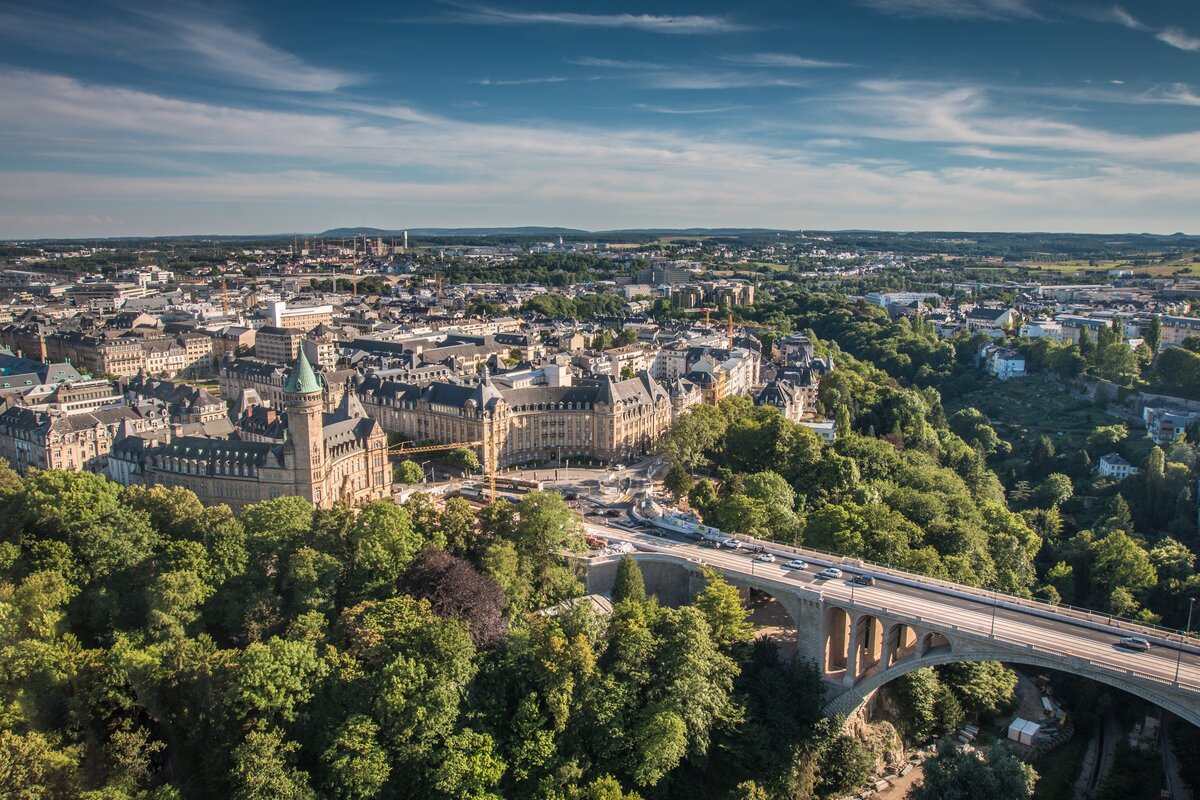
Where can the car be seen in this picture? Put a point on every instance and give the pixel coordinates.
(797, 563)
(863, 580)
(829, 572)
(618, 467)
(1134, 643)
(767, 558)
(613, 512)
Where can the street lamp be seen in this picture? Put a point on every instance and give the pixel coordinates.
(993, 634)
(1182, 639)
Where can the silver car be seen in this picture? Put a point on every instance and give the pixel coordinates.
(829, 573)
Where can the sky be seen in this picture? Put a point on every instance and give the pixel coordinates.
(151, 117)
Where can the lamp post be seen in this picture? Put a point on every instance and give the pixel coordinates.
(1182, 639)
(993, 634)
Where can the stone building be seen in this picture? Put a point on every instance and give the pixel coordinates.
(32, 438)
(326, 458)
(595, 419)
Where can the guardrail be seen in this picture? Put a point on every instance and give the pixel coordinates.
(914, 620)
(1013, 602)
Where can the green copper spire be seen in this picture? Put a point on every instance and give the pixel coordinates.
(302, 380)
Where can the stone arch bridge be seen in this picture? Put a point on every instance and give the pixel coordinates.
(863, 637)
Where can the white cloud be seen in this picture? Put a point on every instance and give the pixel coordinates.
(1172, 35)
(1123, 17)
(1179, 38)
(314, 168)
(521, 81)
(782, 60)
(681, 24)
(666, 110)
(957, 9)
(962, 115)
(182, 38)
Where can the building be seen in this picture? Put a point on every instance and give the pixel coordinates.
(1176, 329)
(1002, 362)
(97, 355)
(326, 458)
(598, 419)
(1113, 466)
(885, 299)
(1042, 329)
(1166, 425)
(74, 441)
(992, 321)
(278, 345)
(303, 317)
(783, 395)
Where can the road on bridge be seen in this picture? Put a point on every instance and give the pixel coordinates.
(975, 616)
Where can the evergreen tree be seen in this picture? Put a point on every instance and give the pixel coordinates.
(628, 583)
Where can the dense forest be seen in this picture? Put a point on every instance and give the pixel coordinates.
(154, 648)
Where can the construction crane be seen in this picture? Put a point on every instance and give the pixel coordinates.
(490, 455)
(730, 330)
(225, 296)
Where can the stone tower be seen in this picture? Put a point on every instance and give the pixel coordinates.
(304, 399)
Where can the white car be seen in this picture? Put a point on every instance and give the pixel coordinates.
(830, 572)
(766, 557)
(797, 563)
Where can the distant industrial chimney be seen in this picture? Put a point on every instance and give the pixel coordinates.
(406, 241)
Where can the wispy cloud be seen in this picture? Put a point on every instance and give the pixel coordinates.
(964, 116)
(415, 168)
(785, 60)
(613, 63)
(1177, 37)
(161, 37)
(522, 81)
(666, 110)
(957, 9)
(654, 23)
(699, 79)
(1172, 35)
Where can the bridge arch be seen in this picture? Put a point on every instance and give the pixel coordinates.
(850, 700)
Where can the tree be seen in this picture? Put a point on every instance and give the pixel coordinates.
(263, 768)
(846, 764)
(456, 590)
(678, 481)
(356, 766)
(409, 472)
(1153, 336)
(463, 458)
(1118, 562)
(380, 544)
(984, 687)
(1106, 438)
(471, 767)
(956, 773)
(722, 607)
(628, 583)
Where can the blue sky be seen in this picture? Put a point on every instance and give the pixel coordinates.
(139, 118)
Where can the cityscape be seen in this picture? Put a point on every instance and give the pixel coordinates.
(639, 403)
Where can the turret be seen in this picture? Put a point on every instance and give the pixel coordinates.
(304, 399)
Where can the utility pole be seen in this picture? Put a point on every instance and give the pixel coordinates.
(1183, 639)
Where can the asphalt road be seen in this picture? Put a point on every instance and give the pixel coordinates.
(1014, 627)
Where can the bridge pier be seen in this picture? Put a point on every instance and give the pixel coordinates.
(858, 648)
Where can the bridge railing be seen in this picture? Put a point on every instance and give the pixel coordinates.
(1173, 636)
(916, 620)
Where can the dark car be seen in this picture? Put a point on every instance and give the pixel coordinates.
(863, 580)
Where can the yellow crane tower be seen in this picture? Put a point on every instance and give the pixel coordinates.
(490, 454)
